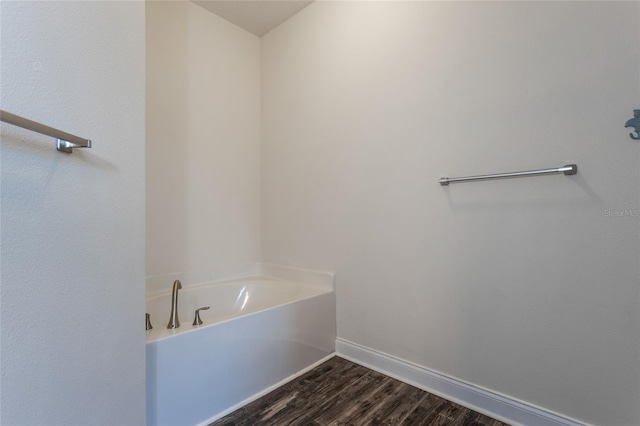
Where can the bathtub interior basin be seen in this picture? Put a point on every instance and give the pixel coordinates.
(225, 300)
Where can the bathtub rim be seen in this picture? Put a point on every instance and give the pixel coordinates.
(155, 284)
(189, 328)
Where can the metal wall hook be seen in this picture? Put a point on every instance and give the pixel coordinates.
(197, 320)
(635, 123)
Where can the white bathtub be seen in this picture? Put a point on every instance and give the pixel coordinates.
(257, 334)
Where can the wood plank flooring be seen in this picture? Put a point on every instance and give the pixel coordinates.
(339, 392)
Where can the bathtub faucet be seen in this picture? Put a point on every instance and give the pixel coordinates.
(174, 322)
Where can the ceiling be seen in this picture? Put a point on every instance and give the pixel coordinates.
(257, 17)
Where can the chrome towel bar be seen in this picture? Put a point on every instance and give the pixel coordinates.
(66, 141)
(569, 169)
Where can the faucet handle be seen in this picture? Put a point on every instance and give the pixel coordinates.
(197, 320)
(148, 325)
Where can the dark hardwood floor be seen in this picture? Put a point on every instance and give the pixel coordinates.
(339, 392)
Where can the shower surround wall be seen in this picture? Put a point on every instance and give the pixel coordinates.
(203, 142)
(528, 287)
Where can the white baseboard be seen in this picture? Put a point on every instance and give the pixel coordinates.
(500, 407)
(266, 391)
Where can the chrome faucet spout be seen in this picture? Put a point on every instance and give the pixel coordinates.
(174, 321)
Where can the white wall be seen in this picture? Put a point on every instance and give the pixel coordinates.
(528, 287)
(203, 142)
(73, 225)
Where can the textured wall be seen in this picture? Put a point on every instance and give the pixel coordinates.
(528, 287)
(203, 141)
(73, 225)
